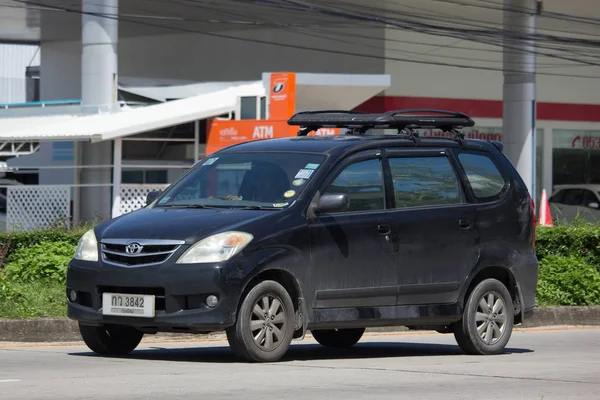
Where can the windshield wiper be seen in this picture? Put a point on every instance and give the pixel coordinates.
(185, 206)
(260, 208)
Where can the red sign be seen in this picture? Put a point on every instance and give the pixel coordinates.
(224, 133)
(470, 134)
(586, 142)
(282, 96)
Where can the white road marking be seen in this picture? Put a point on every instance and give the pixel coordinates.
(9, 380)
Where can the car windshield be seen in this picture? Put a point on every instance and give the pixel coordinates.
(252, 179)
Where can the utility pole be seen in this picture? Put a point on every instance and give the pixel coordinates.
(519, 92)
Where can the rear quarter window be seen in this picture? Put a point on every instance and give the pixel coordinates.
(483, 176)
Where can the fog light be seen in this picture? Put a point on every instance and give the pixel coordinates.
(212, 301)
(72, 295)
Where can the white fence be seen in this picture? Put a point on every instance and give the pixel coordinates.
(34, 207)
(31, 207)
(133, 197)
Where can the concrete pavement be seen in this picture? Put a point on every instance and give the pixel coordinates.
(539, 364)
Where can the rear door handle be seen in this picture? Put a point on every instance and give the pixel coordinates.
(384, 229)
(464, 224)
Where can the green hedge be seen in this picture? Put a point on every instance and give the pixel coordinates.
(33, 265)
(579, 239)
(32, 272)
(569, 257)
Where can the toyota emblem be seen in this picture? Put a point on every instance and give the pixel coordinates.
(133, 248)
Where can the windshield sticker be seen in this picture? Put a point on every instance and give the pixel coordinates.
(289, 193)
(210, 161)
(298, 182)
(304, 173)
(312, 166)
(164, 200)
(280, 205)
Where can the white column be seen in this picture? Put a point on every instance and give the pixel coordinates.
(76, 182)
(518, 92)
(547, 150)
(117, 162)
(99, 65)
(99, 38)
(196, 141)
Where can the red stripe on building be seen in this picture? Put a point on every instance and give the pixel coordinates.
(483, 108)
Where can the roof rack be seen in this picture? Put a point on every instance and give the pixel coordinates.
(405, 121)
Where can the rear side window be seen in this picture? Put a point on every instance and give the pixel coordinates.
(424, 181)
(573, 197)
(484, 177)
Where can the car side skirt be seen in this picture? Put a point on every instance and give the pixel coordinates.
(367, 317)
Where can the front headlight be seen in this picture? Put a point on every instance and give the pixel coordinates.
(216, 248)
(87, 248)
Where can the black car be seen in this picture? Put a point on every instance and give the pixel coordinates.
(333, 234)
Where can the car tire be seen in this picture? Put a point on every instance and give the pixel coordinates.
(338, 338)
(487, 321)
(111, 340)
(265, 324)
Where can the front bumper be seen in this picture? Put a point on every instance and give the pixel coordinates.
(180, 292)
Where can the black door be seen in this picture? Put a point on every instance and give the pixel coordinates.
(353, 259)
(435, 226)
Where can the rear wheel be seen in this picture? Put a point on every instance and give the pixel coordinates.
(338, 338)
(111, 340)
(487, 322)
(265, 324)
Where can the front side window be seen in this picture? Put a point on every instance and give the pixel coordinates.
(484, 177)
(265, 179)
(363, 183)
(424, 181)
(557, 198)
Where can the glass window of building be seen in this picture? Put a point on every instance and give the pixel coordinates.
(575, 157)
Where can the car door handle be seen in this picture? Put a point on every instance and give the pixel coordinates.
(464, 224)
(384, 229)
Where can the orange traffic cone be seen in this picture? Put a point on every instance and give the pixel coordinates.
(545, 217)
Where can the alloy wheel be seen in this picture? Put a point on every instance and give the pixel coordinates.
(267, 323)
(490, 318)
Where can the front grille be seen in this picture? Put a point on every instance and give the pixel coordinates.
(137, 253)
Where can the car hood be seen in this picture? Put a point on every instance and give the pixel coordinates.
(178, 224)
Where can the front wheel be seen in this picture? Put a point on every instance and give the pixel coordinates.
(487, 322)
(111, 340)
(338, 338)
(265, 324)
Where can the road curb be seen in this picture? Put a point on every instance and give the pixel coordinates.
(65, 330)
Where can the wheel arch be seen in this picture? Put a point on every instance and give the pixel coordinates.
(290, 283)
(502, 274)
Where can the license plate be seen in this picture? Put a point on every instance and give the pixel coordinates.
(128, 305)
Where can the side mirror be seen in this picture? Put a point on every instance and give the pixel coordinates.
(594, 205)
(153, 195)
(333, 203)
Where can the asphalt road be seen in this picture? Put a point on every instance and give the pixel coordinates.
(539, 364)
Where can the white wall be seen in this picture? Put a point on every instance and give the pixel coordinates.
(60, 71)
(201, 58)
(14, 60)
(422, 80)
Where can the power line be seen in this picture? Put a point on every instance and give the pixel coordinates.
(422, 27)
(297, 6)
(197, 5)
(298, 47)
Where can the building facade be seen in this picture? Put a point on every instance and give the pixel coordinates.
(428, 70)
